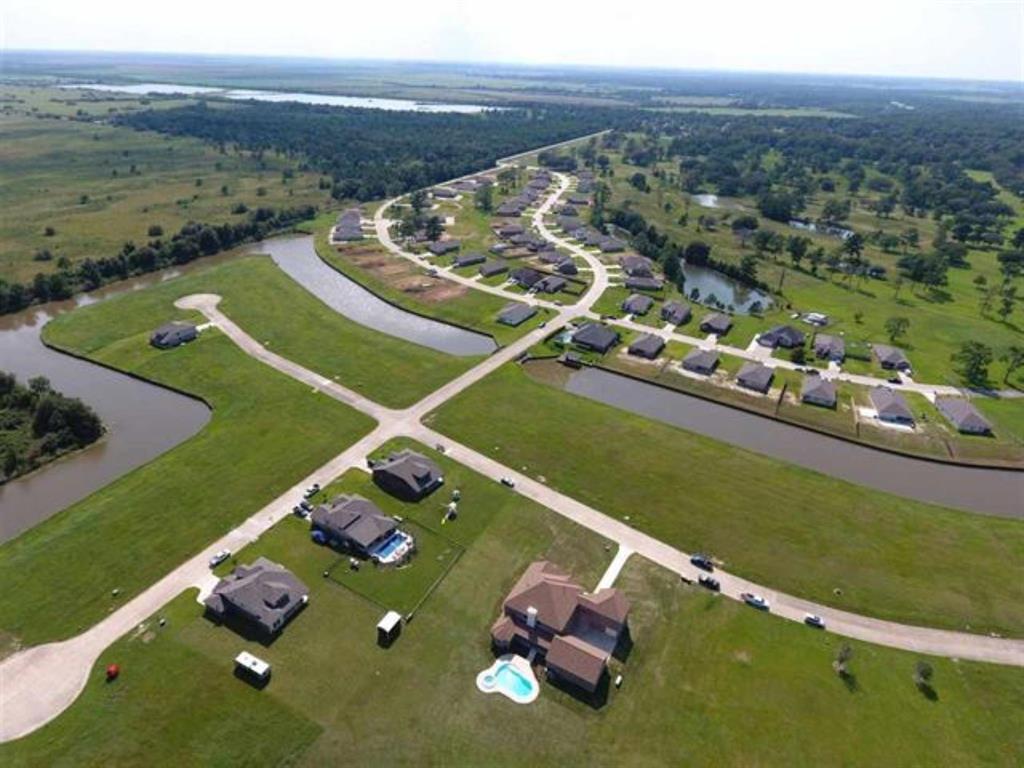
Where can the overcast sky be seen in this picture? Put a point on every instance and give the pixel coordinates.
(978, 39)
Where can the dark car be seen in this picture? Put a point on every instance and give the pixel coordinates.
(703, 562)
(709, 582)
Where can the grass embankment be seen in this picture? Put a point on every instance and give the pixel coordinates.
(705, 676)
(774, 523)
(401, 282)
(101, 185)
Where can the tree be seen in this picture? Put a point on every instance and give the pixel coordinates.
(434, 230)
(748, 267)
(697, 253)
(1007, 299)
(417, 201)
(835, 210)
(842, 662)
(972, 360)
(816, 257)
(1014, 359)
(923, 673)
(484, 198)
(853, 246)
(896, 328)
(155, 230)
(796, 246)
(858, 317)
(639, 181)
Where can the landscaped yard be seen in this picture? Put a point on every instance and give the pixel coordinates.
(774, 523)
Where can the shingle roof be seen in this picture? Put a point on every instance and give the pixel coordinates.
(649, 345)
(781, 336)
(353, 517)
(890, 405)
(891, 356)
(817, 389)
(580, 659)
(700, 360)
(832, 347)
(548, 589)
(962, 413)
(596, 336)
(637, 304)
(516, 313)
(753, 375)
(264, 592)
(675, 312)
(412, 471)
(716, 322)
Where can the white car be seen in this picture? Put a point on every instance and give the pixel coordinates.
(220, 557)
(755, 601)
(508, 481)
(814, 620)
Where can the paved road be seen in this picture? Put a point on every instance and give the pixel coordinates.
(38, 683)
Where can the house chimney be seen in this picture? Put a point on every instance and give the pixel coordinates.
(531, 617)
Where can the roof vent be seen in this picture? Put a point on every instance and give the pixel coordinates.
(531, 616)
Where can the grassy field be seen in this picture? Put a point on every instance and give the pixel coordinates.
(704, 677)
(774, 523)
(100, 186)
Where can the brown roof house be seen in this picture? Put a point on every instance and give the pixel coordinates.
(265, 595)
(408, 475)
(573, 632)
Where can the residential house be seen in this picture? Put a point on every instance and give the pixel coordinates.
(635, 265)
(516, 313)
(264, 595)
(574, 633)
(648, 345)
(785, 336)
(444, 193)
(173, 335)
(675, 312)
(611, 245)
(550, 284)
(637, 304)
(492, 268)
(526, 277)
(817, 390)
(643, 283)
(702, 361)
(353, 523)
(469, 259)
(408, 475)
(755, 376)
(567, 266)
(596, 337)
(510, 229)
(441, 247)
(828, 347)
(890, 358)
(890, 406)
(717, 323)
(963, 415)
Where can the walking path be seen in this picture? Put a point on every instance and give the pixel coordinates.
(38, 683)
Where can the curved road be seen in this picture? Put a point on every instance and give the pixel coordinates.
(38, 683)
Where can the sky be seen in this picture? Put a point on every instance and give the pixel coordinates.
(968, 39)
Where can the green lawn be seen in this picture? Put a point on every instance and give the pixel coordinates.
(47, 165)
(774, 523)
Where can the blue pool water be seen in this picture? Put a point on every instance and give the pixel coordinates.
(388, 548)
(509, 678)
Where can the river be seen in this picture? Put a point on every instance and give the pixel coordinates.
(975, 489)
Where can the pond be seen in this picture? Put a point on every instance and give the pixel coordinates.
(238, 94)
(298, 258)
(734, 296)
(142, 420)
(986, 491)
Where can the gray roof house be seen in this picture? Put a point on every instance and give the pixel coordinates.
(567, 266)
(550, 256)
(890, 357)
(509, 229)
(635, 265)
(527, 277)
(755, 376)
(469, 259)
(643, 283)
(353, 521)
(408, 475)
(441, 247)
(716, 322)
(637, 304)
(818, 390)
(516, 313)
(492, 268)
(172, 335)
(648, 345)
(263, 594)
(891, 406)
(676, 312)
(702, 361)
(444, 192)
(963, 415)
(596, 337)
(550, 284)
(785, 336)
(611, 245)
(828, 347)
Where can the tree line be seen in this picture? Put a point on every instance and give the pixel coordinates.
(193, 241)
(37, 424)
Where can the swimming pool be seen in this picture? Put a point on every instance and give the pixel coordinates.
(511, 676)
(393, 548)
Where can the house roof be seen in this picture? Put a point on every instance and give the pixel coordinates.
(643, 283)
(716, 322)
(648, 345)
(550, 284)
(755, 376)
(826, 345)
(637, 304)
(963, 414)
(527, 276)
(607, 603)
(701, 359)
(635, 264)
(516, 313)
(548, 589)
(468, 259)
(172, 329)
(890, 404)
(265, 592)
(493, 268)
(355, 518)
(414, 470)
(782, 336)
(675, 312)
(890, 355)
(443, 246)
(577, 657)
(596, 336)
(818, 389)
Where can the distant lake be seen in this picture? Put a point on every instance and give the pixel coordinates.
(392, 105)
(736, 297)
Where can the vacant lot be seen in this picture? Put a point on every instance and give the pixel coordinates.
(99, 186)
(782, 526)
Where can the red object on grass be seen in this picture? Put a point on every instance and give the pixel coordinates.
(112, 672)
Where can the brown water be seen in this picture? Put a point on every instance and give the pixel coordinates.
(975, 489)
(142, 420)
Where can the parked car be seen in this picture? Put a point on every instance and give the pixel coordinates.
(895, 379)
(814, 620)
(220, 557)
(298, 511)
(306, 505)
(755, 601)
(313, 490)
(508, 481)
(702, 561)
(709, 582)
